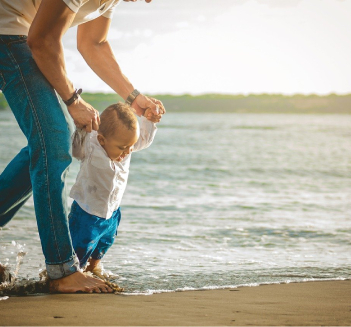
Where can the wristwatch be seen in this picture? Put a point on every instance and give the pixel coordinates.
(132, 96)
(73, 98)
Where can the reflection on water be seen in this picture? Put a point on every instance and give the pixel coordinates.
(219, 200)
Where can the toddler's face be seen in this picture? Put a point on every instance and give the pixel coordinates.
(120, 144)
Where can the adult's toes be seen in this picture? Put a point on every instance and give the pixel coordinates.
(108, 289)
(87, 289)
(104, 288)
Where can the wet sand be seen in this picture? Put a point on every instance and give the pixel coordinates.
(312, 303)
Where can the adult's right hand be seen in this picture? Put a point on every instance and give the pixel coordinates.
(84, 115)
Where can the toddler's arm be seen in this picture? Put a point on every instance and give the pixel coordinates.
(147, 134)
(78, 144)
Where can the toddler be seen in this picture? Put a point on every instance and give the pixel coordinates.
(105, 158)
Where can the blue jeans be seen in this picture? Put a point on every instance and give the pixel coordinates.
(92, 236)
(40, 168)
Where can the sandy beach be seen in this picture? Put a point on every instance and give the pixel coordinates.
(311, 303)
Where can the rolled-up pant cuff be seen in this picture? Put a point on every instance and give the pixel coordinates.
(57, 271)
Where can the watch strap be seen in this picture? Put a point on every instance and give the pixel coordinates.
(132, 96)
(73, 98)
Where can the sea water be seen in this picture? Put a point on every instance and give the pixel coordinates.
(220, 200)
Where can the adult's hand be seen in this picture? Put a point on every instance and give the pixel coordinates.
(84, 115)
(160, 105)
(151, 117)
(142, 103)
(160, 111)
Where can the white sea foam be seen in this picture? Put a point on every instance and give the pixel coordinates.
(209, 288)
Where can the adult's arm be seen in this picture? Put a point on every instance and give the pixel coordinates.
(45, 40)
(94, 47)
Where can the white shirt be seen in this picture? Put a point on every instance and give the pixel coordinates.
(16, 16)
(101, 182)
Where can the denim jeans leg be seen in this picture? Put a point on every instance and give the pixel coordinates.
(41, 118)
(15, 186)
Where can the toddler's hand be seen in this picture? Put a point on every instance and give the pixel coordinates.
(149, 115)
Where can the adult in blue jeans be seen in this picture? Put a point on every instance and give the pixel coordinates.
(33, 77)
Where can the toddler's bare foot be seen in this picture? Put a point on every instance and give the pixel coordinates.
(78, 282)
(95, 267)
(93, 264)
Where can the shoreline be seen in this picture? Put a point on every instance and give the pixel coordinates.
(296, 303)
(220, 288)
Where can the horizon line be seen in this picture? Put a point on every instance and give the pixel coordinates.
(231, 94)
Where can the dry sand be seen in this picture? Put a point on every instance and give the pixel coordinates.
(312, 303)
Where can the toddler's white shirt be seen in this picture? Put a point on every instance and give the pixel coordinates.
(101, 182)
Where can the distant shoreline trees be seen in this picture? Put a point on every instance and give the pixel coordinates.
(252, 103)
(225, 103)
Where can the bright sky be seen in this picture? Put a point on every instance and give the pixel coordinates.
(227, 46)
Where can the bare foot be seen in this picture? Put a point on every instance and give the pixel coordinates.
(78, 282)
(92, 264)
(95, 267)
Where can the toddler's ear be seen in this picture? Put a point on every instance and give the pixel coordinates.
(101, 139)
